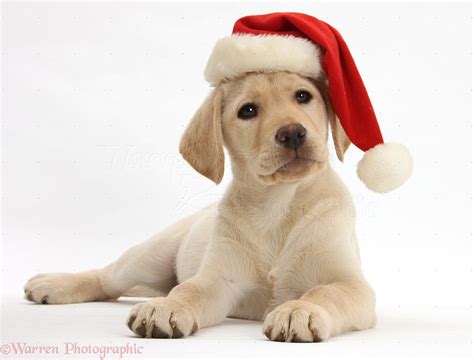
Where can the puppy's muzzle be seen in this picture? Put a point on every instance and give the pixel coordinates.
(291, 136)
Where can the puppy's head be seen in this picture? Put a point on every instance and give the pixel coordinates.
(274, 125)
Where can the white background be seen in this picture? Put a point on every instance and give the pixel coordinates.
(95, 98)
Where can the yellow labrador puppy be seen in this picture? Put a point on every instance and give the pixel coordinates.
(279, 247)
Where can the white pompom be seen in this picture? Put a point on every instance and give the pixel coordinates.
(385, 167)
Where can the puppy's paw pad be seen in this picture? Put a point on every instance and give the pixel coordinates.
(54, 288)
(162, 318)
(298, 321)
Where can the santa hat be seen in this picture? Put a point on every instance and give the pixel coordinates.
(307, 46)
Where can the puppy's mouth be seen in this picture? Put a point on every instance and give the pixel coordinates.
(292, 165)
(295, 164)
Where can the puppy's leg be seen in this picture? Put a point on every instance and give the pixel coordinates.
(150, 263)
(67, 288)
(201, 301)
(322, 312)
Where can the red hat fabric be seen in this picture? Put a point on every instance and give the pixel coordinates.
(303, 44)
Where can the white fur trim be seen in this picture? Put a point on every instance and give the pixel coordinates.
(239, 54)
(385, 167)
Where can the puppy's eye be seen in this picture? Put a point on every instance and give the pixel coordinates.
(247, 111)
(303, 96)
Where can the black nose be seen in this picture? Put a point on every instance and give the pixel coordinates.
(291, 136)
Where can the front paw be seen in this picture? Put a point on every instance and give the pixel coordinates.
(162, 318)
(298, 321)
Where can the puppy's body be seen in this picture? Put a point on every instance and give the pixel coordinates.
(280, 246)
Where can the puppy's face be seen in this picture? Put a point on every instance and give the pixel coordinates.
(275, 127)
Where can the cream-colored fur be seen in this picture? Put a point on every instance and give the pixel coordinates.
(243, 53)
(279, 247)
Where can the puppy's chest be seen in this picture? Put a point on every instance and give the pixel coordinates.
(281, 245)
(278, 277)
(270, 244)
(270, 233)
(267, 239)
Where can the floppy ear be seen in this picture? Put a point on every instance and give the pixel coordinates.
(341, 141)
(201, 144)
